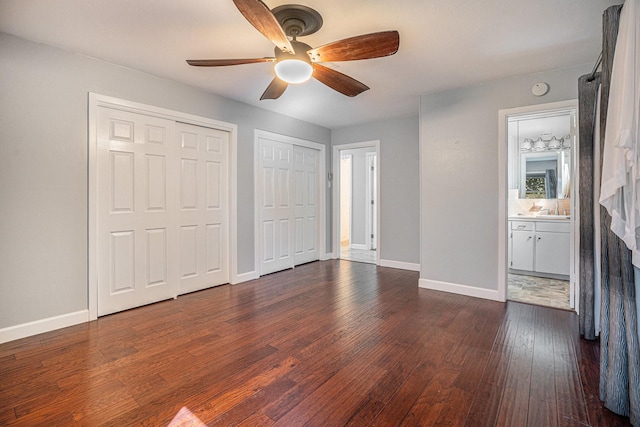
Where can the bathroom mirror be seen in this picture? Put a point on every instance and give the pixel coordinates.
(540, 150)
(545, 175)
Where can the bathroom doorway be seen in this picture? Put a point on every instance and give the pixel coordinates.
(540, 245)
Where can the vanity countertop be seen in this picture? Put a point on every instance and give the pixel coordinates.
(540, 218)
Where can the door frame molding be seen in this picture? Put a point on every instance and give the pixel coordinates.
(336, 193)
(503, 220)
(322, 193)
(96, 101)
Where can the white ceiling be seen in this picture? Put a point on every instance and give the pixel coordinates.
(443, 45)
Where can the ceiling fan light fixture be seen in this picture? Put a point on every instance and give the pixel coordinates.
(296, 62)
(293, 71)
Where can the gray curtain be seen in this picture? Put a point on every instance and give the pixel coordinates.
(587, 92)
(551, 184)
(619, 348)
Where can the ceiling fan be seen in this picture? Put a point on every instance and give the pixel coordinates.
(296, 62)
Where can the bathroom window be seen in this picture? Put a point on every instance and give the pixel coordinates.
(535, 187)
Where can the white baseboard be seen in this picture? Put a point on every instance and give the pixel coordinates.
(327, 256)
(399, 264)
(245, 277)
(44, 325)
(359, 246)
(455, 288)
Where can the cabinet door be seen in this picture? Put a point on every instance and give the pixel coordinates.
(552, 253)
(522, 244)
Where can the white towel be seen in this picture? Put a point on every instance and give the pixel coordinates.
(621, 162)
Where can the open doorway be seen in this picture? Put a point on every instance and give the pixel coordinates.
(345, 202)
(541, 162)
(356, 202)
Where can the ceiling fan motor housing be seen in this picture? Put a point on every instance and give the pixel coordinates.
(300, 52)
(297, 20)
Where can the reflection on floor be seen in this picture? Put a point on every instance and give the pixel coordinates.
(359, 255)
(539, 291)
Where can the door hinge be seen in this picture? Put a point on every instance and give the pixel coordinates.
(372, 168)
(372, 202)
(372, 236)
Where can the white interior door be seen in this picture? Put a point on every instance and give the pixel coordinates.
(276, 209)
(203, 218)
(306, 204)
(372, 201)
(136, 234)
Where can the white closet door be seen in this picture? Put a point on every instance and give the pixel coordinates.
(276, 210)
(136, 235)
(203, 224)
(306, 204)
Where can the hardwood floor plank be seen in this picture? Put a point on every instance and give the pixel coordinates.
(426, 410)
(514, 406)
(85, 402)
(400, 360)
(7, 414)
(322, 407)
(257, 419)
(571, 404)
(325, 344)
(542, 394)
(249, 407)
(399, 406)
(486, 404)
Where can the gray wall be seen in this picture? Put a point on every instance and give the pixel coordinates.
(43, 167)
(399, 183)
(459, 165)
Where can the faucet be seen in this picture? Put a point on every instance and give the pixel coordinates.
(557, 208)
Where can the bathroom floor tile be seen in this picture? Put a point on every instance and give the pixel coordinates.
(539, 291)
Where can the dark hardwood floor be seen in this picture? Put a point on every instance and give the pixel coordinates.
(326, 344)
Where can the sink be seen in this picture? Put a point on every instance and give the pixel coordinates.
(543, 216)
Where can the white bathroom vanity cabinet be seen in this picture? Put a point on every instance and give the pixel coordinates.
(540, 246)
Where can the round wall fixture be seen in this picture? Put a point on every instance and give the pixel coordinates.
(540, 89)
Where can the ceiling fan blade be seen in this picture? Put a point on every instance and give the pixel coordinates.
(259, 15)
(275, 89)
(225, 62)
(337, 81)
(366, 46)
